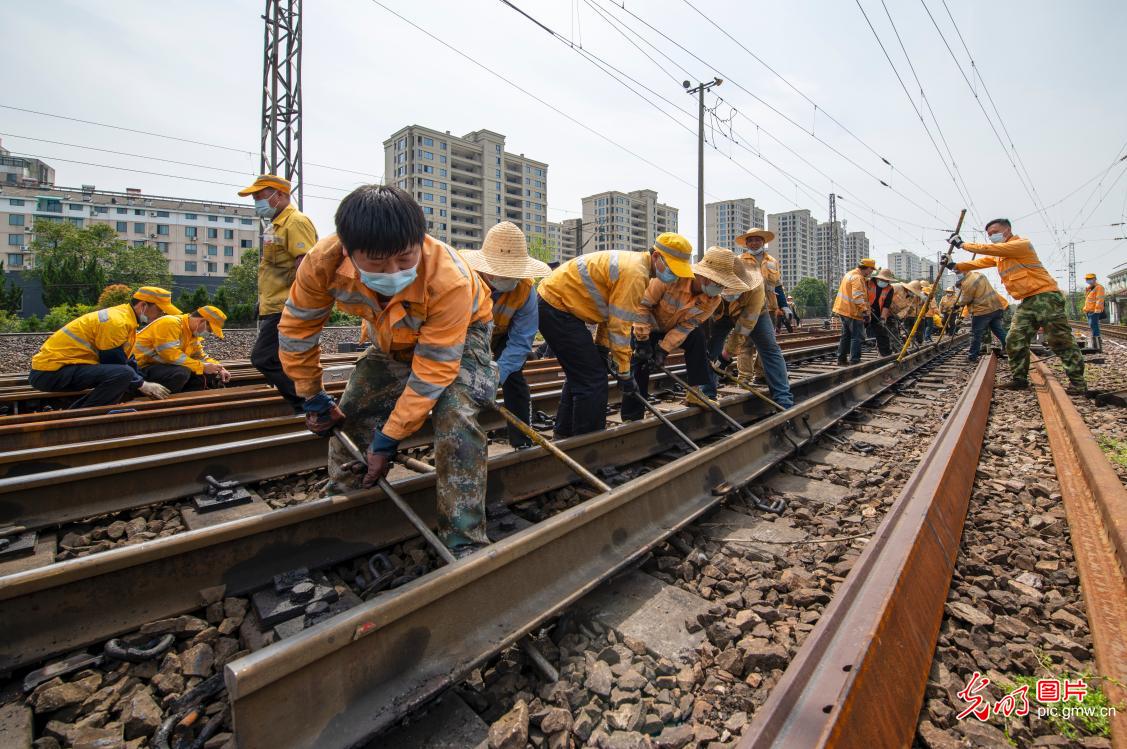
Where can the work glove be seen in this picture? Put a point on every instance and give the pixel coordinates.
(155, 390)
(955, 240)
(379, 456)
(643, 352)
(658, 356)
(322, 414)
(626, 384)
(949, 264)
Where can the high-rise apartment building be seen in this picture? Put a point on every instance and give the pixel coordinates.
(625, 220)
(794, 245)
(829, 244)
(466, 185)
(908, 266)
(727, 219)
(856, 247)
(572, 239)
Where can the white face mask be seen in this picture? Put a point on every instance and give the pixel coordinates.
(998, 237)
(729, 297)
(503, 284)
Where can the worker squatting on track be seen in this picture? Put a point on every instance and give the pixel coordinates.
(1094, 309)
(170, 350)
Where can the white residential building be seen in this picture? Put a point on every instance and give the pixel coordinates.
(908, 266)
(727, 219)
(625, 220)
(794, 245)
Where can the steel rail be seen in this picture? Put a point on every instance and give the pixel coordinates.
(341, 681)
(859, 678)
(116, 591)
(1095, 502)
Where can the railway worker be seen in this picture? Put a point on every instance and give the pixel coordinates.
(786, 315)
(603, 288)
(1042, 304)
(170, 350)
(985, 307)
(1094, 309)
(288, 237)
(755, 324)
(854, 306)
(429, 318)
(947, 310)
(674, 314)
(504, 264)
(94, 352)
(881, 294)
(927, 325)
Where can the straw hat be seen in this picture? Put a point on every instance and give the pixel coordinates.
(767, 236)
(885, 274)
(916, 288)
(504, 253)
(720, 265)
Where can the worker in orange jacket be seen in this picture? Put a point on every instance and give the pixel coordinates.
(429, 318)
(853, 305)
(1042, 304)
(1094, 309)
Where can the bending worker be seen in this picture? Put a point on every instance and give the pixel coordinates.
(948, 311)
(1094, 309)
(986, 307)
(94, 352)
(429, 318)
(170, 350)
(675, 313)
(854, 306)
(604, 288)
(288, 236)
(1042, 305)
(504, 264)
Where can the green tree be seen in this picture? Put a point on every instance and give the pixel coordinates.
(539, 249)
(811, 297)
(115, 294)
(70, 263)
(11, 295)
(241, 288)
(139, 266)
(220, 300)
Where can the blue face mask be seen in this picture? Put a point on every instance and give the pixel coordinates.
(263, 208)
(882, 284)
(729, 297)
(996, 238)
(666, 275)
(711, 289)
(387, 284)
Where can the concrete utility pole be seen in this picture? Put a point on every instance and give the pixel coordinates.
(834, 258)
(1072, 280)
(699, 90)
(281, 93)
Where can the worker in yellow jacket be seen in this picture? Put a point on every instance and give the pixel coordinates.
(854, 306)
(986, 306)
(606, 289)
(1042, 304)
(429, 316)
(170, 350)
(95, 352)
(1094, 309)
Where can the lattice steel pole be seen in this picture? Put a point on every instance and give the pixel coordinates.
(281, 93)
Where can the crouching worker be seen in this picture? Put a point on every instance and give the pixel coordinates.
(429, 318)
(170, 351)
(95, 352)
(504, 264)
(675, 313)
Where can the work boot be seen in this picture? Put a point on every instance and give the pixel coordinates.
(1076, 388)
(1015, 385)
(692, 400)
(841, 362)
(461, 552)
(1099, 341)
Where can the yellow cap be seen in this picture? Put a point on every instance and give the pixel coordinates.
(677, 252)
(215, 319)
(867, 262)
(158, 296)
(267, 180)
(1090, 277)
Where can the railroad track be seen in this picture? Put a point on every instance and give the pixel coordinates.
(118, 590)
(1117, 332)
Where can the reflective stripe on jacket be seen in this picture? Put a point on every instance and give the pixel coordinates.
(1094, 299)
(424, 324)
(1020, 269)
(675, 310)
(604, 288)
(744, 311)
(979, 296)
(169, 340)
(80, 340)
(852, 296)
(287, 237)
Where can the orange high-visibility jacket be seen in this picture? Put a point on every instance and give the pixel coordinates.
(979, 295)
(675, 309)
(80, 340)
(772, 273)
(169, 340)
(507, 305)
(1020, 269)
(1094, 299)
(852, 296)
(604, 288)
(424, 324)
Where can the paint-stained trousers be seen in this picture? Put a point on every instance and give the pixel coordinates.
(459, 442)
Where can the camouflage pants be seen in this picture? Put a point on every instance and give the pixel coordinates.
(459, 442)
(1043, 311)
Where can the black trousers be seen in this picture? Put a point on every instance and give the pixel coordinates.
(176, 378)
(583, 403)
(697, 372)
(516, 395)
(108, 383)
(876, 330)
(265, 359)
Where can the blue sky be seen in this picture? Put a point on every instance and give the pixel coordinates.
(193, 70)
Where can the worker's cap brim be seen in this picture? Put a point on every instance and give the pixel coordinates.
(764, 234)
(267, 180)
(160, 297)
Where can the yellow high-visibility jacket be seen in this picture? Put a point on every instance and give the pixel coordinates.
(772, 273)
(1018, 266)
(80, 340)
(605, 288)
(979, 295)
(289, 236)
(674, 309)
(424, 324)
(1094, 299)
(169, 340)
(852, 296)
(947, 303)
